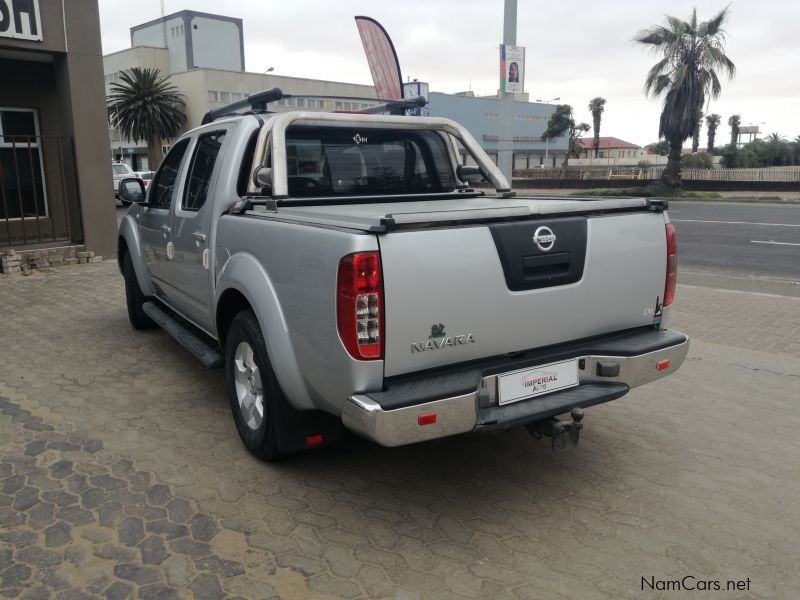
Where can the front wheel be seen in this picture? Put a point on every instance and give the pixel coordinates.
(134, 296)
(252, 388)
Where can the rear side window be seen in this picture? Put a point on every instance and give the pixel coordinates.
(163, 185)
(205, 155)
(120, 170)
(341, 161)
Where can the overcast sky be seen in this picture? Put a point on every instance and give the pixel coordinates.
(576, 50)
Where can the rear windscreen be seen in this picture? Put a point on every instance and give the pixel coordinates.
(342, 161)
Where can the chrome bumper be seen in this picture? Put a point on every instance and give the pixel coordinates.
(459, 414)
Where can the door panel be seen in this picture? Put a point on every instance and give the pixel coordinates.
(191, 219)
(154, 220)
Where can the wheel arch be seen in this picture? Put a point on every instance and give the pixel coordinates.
(241, 281)
(128, 242)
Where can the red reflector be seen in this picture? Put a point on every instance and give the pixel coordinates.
(314, 440)
(662, 365)
(428, 419)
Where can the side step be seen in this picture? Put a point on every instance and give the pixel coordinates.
(205, 352)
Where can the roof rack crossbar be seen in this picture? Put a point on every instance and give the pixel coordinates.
(396, 107)
(256, 102)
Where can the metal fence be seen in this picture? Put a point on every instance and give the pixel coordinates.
(785, 174)
(38, 190)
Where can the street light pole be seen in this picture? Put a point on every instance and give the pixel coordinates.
(547, 140)
(505, 137)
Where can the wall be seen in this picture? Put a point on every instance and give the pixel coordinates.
(69, 93)
(216, 44)
(159, 35)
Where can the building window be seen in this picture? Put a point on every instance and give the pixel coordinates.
(301, 102)
(224, 96)
(212, 96)
(21, 168)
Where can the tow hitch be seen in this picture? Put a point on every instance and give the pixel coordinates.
(564, 435)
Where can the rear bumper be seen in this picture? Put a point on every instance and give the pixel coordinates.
(603, 375)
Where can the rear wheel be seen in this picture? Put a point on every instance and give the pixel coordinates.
(134, 296)
(252, 389)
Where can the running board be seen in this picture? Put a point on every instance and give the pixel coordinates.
(200, 349)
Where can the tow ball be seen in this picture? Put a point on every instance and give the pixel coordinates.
(564, 435)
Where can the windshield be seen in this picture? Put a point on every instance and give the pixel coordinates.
(342, 161)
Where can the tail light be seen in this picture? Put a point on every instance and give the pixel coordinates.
(672, 266)
(359, 305)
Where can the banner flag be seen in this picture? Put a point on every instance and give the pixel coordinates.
(382, 59)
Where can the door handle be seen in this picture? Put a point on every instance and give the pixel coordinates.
(199, 236)
(166, 229)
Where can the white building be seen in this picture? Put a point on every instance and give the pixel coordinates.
(204, 56)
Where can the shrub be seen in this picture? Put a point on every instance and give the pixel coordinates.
(698, 160)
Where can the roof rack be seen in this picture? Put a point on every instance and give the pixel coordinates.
(257, 103)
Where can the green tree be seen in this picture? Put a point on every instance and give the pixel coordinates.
(696, 133)
(712, 122)
(775, 138)
(692, 53)
(734, 121)
(661, 148)
(146, 107)
(700, 160)
(561, 124)
(596, 107)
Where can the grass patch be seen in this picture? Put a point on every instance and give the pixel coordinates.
(656, 189)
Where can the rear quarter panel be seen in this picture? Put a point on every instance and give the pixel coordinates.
(288, 273)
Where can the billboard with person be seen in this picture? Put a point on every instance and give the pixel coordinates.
(512, 69)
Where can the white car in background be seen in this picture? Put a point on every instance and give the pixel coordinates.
(145, 176)
(120, 171)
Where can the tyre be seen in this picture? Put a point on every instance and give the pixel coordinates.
(252, 389)
(134, 296)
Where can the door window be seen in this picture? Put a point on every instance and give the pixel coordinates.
(163, 185)
(200, 170)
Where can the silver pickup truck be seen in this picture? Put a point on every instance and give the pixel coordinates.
(342, 269)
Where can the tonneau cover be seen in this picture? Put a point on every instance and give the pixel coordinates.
(379, 217)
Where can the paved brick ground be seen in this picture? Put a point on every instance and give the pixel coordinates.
(121, 475)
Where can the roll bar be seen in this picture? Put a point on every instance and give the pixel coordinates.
(272, 138)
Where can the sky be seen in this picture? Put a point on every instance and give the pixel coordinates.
(575, 50)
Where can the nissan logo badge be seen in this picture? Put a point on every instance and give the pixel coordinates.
(544, 238)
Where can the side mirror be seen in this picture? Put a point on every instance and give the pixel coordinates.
(263, 179)
(470, 174)
(131, 189)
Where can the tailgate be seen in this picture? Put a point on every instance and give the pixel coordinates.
(463, 293)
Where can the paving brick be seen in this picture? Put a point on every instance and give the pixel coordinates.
(664, 480)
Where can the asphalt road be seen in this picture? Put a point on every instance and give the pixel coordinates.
(761, 240)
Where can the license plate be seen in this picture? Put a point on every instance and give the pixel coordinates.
(537, 381)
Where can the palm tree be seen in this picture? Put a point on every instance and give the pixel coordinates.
(692, 53)
(734, 121)
(563, 123)
(696, 133)
(145, 106)
(775, 138)
(596, 107)
(712, 122)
